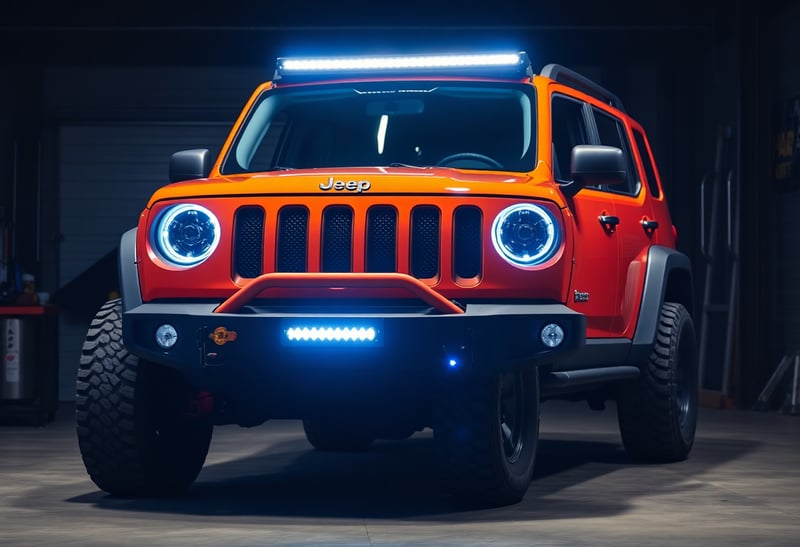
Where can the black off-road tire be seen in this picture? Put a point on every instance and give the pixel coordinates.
(658, 412)
(133, 432)
(336, 436)
(486, 432)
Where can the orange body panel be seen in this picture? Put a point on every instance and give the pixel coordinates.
(215, 278)
(607, 266)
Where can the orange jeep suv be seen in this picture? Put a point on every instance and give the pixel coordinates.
(388, 244)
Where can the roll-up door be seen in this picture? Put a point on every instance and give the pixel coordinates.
(106, 175)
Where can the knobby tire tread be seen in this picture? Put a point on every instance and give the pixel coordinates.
(115, 438)
(648, 415)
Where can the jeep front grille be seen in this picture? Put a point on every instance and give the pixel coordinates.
(337, 239)
(385, 237)
(425, 241)
(467, 254)
(381, 239)
(292, 239)
(248, 254)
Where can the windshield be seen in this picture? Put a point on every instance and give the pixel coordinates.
(467, 125)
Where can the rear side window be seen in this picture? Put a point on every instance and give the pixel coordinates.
(647, 162)
(569, 130)
(611, 132)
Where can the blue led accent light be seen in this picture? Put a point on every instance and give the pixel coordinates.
(452, 363)
(331, 334)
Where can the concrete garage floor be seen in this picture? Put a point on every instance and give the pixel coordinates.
(267, 486)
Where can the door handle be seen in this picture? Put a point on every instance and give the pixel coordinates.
(649, 225)
(608, 221)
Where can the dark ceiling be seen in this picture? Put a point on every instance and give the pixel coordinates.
(179, 13)
(237, 32)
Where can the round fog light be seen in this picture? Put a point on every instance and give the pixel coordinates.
(552, 335)
(166, 336)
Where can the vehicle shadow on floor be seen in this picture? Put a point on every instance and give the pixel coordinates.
(400, 480)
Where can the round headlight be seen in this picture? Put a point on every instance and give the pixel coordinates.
(187, 234)
(525, 234)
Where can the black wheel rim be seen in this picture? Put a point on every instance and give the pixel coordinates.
(512, 415)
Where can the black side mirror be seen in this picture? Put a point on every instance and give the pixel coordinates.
(189, 164)
(595, 164)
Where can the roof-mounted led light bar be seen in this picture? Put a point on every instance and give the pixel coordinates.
(514, 65)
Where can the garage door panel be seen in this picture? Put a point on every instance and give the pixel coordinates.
(106, 175)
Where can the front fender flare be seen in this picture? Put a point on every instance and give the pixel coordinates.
(128, 271)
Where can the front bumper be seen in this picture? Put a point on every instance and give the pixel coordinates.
(241, 345)
(484, 337)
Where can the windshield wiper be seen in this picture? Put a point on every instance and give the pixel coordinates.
(279, 168)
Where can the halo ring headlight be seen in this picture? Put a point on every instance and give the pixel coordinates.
(186, 234)
(525, 235)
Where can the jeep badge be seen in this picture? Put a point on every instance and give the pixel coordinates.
(357, 186)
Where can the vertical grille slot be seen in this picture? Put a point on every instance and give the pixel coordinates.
(381, 239)
(467, 242)
(248, 246)
(425, 221)
(337, 239)
(292, 239)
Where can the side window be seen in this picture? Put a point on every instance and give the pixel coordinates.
(569, 130)
(647, 161)
(612, 133)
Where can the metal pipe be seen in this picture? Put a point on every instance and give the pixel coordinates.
(14, 169)
(38, 202)
(703, 217)
(795, 380)
(730, 210)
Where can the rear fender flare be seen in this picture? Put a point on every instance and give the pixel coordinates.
(668, 277)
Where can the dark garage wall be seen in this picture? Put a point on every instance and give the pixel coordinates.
(145, 93)
(788, 203)
(111, 132)
(6, 150)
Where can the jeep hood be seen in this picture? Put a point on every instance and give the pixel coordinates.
(353, 182)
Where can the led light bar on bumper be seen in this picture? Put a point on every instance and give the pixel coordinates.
(349, 334)
(185, 235)
(498, 64)
(525, 235)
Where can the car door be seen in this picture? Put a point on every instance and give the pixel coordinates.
(636, 227)
(593, 285)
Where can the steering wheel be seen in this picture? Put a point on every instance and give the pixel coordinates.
(469, 156)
